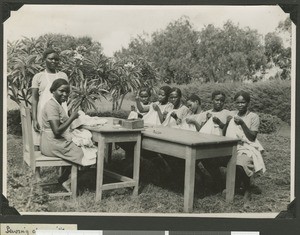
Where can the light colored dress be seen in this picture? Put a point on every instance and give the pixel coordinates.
(191, 127)
(43, 81)
(135, 114)
(181, 113)
(58, 147)
(210, 127)
(152, 118)
(248, 152)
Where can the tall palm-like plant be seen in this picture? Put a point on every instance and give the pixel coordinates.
(22, 63)
(85, 93)
(124, 78)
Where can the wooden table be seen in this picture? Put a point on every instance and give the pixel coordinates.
(105, 135)
(192, 146)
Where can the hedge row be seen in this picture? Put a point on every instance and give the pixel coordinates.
(268, 123)
(270, 97)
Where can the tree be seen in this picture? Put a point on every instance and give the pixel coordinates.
(230, 53)
(81, 58)
(171, 52)
(273, 46)
(285, 26)
(180, 54)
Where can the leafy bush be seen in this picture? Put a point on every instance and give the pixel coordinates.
(14, 126)
(116, 113)
(270, 97)
(268, 123)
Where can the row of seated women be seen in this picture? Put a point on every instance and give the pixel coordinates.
(241, 123)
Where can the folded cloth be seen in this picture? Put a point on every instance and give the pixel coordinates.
(82, 137)
(89, 156)
(87, 120)
(253, 149)
(211, 128)
(133, 115)
(185, 126)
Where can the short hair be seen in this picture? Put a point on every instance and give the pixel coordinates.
(145, 89)
(166, 89)
(57, 83)
(244, 94)
(193, 98)
(47, 52)
(177, 90)
(217, 92)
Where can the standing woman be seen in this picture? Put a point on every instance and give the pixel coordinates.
(41, 84)
(244, 125)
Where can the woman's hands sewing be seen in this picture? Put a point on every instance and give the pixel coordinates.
(36, 126)
(238, 120)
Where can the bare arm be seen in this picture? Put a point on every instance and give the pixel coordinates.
(159, 113)
(35, 100)
(251, 135)
(140, 107)
(58, 128)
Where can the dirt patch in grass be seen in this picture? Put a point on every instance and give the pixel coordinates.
(154, 197)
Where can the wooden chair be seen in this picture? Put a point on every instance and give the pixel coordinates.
(35, 159)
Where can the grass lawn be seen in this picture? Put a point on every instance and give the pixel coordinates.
(154, 196)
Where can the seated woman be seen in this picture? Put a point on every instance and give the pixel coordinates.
(56, 138)
(142, 104)
(244, 125)
(214, 122)
(193, 121)
(179, 112)
(159, 109)
(215, 119)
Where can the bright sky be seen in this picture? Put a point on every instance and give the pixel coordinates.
(114, 26)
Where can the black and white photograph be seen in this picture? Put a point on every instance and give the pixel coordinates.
(137, 110)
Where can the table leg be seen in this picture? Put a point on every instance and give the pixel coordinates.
(108, 153)
(136, 165)
(100, 165)
(230, 176)
(189, 179)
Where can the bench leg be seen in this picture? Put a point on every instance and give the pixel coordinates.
(38, 174)
(74, 181)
